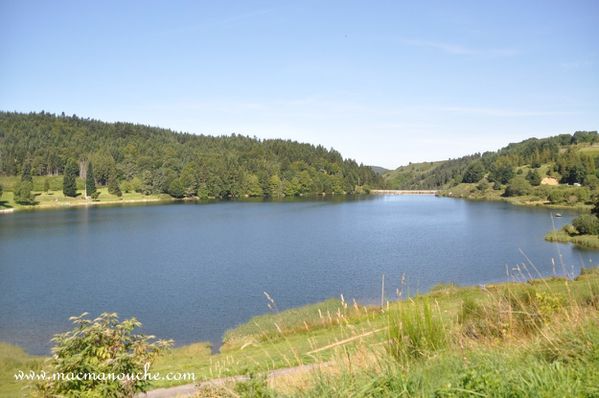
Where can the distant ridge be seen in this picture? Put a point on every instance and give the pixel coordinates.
(572, 158)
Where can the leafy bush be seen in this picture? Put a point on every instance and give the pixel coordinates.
(176, 189)
(482, 186)
(518, 186)
(533, 178)
(586, 224)
(101, 346)
(501, 170)
(570, 229)
(569, 195)
(23, 194)
(255, 387)
(113, 187)
(474, 173)
(556, 196)
(591, 181)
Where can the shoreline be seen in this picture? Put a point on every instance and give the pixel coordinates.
(65, 205)
(164, 198)
(587, 242)
(149, 199)
(272, 333)
(581, 208)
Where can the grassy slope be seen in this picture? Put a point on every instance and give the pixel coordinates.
(349, 335)
(395, 179)
(353, 336)
(12, 359)
(470, 191)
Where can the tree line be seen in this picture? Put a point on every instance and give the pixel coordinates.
(567, 164)
(135, 157)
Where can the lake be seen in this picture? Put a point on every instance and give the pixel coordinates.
(191, 271)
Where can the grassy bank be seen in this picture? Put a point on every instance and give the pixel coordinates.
(55, 199)
(12, 359)
(536, 338)
(575, 198)
(584, 241)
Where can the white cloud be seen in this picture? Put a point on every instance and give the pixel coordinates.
(457, 49)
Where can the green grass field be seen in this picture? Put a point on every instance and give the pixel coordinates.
(54, 198)
(514, 339)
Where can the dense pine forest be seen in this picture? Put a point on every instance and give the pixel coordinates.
(150, 160)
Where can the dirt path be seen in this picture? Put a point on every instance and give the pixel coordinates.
(190, 390)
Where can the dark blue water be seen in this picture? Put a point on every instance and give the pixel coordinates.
(191, 271)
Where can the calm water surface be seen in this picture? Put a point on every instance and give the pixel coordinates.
(191, 271)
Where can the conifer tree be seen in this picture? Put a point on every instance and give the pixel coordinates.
(90, 182)
(26, 176)
(69, 182)
(113, 185)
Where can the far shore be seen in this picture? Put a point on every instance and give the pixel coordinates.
(403, 191)
(55, 200)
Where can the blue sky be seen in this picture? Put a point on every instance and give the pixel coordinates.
(382, 82)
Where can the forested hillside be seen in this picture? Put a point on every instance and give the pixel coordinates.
(570, 159)
(154, 160)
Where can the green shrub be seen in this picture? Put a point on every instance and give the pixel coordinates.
(556, 196)
(113, 187)
(481, 380)
(482, 186)
(474, 172)
(586, 224)
(533, 178)
(518, 186)
(99, 346)
(176, 189)
(570, 229)
(591, 181)
(255, 387)
(23, 194)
